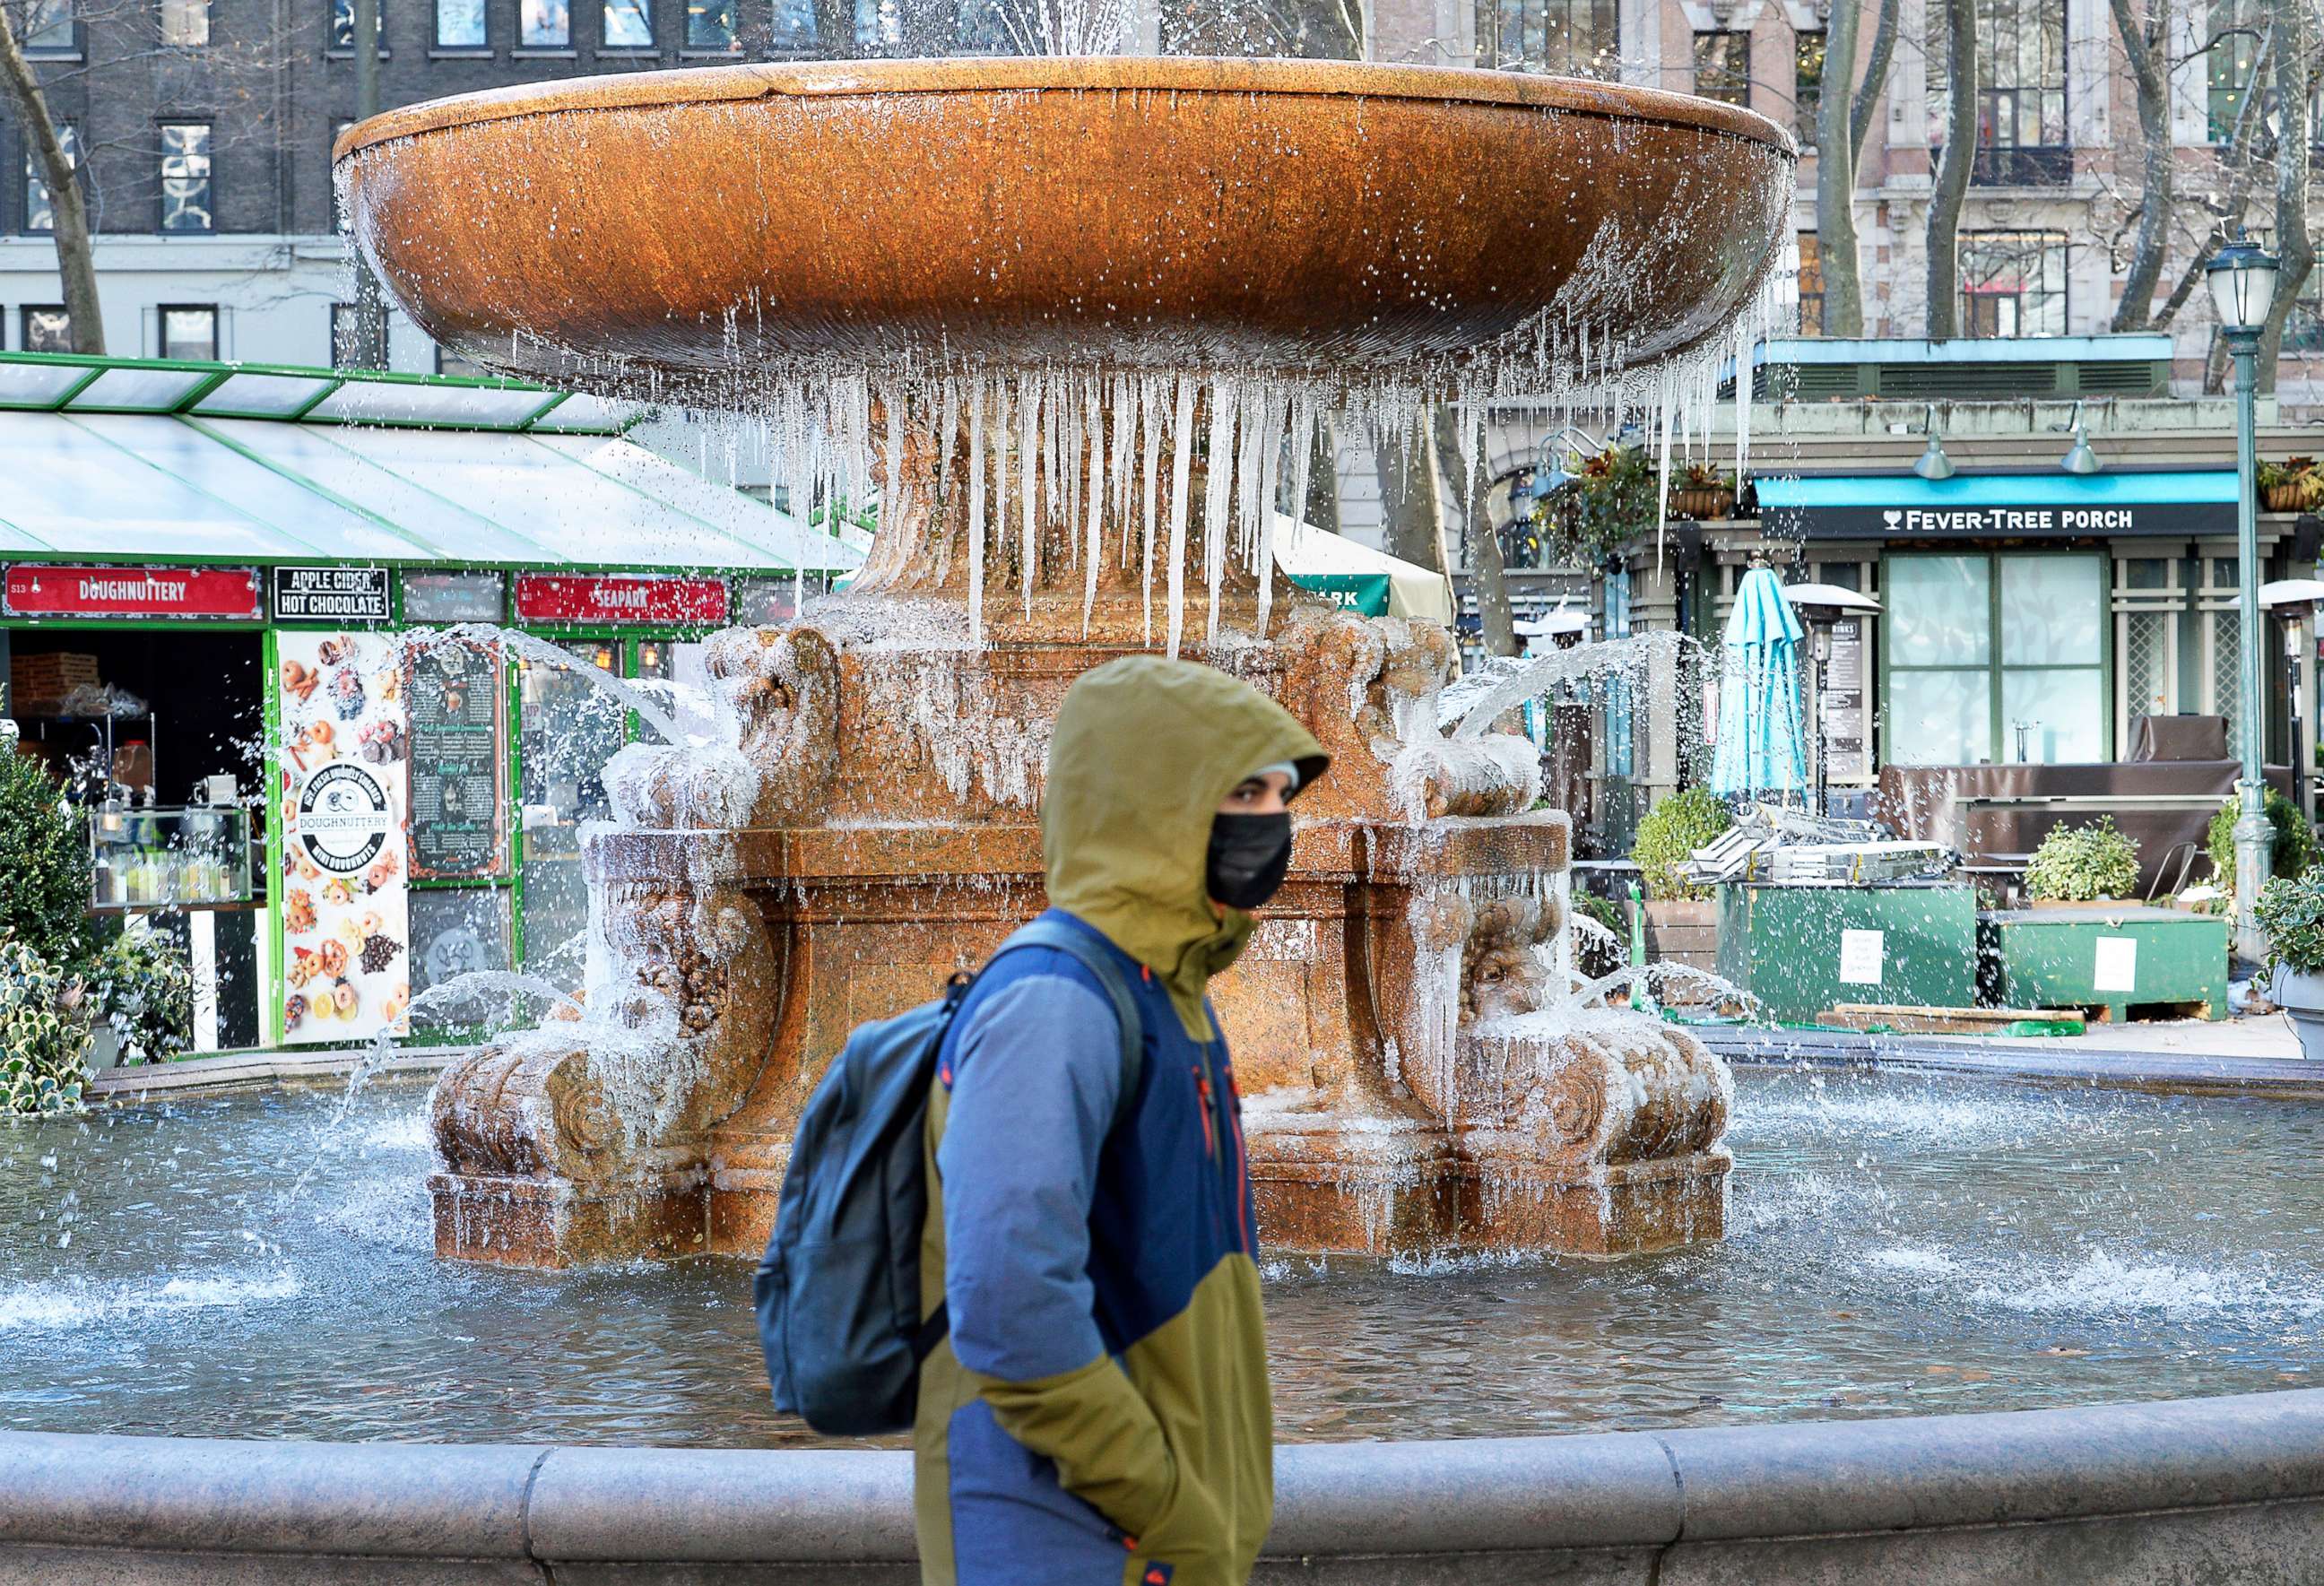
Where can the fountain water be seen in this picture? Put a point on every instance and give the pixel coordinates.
(1078, 319)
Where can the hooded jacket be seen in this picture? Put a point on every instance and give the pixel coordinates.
(1099, 1411)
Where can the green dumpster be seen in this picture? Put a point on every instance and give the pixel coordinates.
(2117, 957)
(1801, 950)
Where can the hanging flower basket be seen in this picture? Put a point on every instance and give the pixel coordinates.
(1701, 503)
(2293, 485)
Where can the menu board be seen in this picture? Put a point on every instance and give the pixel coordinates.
(346, 925)
(457, 760)
(1845, 724)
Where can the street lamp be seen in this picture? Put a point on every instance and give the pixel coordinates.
(2242, 277)
(1822, 607)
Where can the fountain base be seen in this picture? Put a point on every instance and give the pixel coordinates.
(553, 1223)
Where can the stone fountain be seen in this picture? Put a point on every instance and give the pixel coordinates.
(1071, 316)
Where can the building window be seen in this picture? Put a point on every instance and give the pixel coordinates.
(2013, 282)
(1996, 659)
(40, 209)
(185, 23)
(2020, 121)
(186, 176)
(1807, 78)
(628, 25)
(49, 27)
(710, 24)
(1810, 284)
(1722, 67)
(2237, 27)
(189, 332)
(343, 23)
(544, 24)
(1569, 38)
(452, 363)
(46, 327)
(460, 24)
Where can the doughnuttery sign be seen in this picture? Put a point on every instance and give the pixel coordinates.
(344, 818)
(2127, 519)
(44, 589)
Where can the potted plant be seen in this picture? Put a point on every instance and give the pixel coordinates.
(1682, 920)
(1611, 502)
(2290, 912)
(1701, 491)
(2096, 863)
(2291, 851)
(2293, 485)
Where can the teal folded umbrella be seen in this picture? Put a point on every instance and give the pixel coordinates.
(1762, 747)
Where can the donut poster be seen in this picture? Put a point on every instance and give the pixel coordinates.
(346, 927)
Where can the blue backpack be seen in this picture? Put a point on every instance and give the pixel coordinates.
(838, 1296)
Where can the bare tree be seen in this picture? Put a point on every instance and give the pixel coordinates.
(68, 206)
(1483, 546)
(2291, 37)
(1952, 186)
(1836, 249)
(1876, 78)
(2147, 51)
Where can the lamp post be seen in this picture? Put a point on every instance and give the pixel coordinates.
(2242, 278)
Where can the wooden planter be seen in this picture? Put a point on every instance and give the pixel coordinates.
(1701, 503)
(1681, 930)
(2295, 497)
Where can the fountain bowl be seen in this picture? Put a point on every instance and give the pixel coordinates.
(1303, 218)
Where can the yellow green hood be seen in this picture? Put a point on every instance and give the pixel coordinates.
(1144, 750)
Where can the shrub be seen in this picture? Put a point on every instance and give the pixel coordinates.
(2290, 910)
(2294, 848)
(44, 873)
(1668, 837)
(44, 1018)
(144, 985)
(2079, 864)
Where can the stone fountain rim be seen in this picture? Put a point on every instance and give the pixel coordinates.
(2084, 1492)
(1182, 74)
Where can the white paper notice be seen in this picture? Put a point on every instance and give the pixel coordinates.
(1859, 957)
(2117, 969)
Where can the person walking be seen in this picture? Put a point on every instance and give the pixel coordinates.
(1098, 1411)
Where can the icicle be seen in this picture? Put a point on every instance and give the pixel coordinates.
(976, 510)
(1217, 483)
(1149, 405)
(1125, 412)
(1270, 482)
(1028, 462)
(1743, 349)
(1182, 458)
(1661, 495)
(892, 492)
(946, 428)
(1093, 418)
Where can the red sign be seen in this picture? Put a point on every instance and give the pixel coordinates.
(41, 589)
(634, 598)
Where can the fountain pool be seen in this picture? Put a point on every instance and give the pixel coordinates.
(1896, 1246)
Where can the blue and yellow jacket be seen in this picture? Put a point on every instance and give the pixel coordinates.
(1099, 1412)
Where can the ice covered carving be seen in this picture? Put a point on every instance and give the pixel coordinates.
(1086, 325)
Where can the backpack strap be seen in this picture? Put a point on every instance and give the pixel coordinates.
(1077, 946)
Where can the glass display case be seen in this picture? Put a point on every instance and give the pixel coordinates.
(164, 857)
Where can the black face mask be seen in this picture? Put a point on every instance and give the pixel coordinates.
(1249, 856)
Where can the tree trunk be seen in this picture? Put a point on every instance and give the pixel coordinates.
(1876, 78)
(370, 351)
(2145, 47)
(1952, 173)
(2293, 32)
(1843, 295)
(1497, 622)
(1322, 507)
(1407, 497)
(69, 211)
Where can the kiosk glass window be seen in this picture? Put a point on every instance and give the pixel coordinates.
(1997, 658)
(568, 730)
